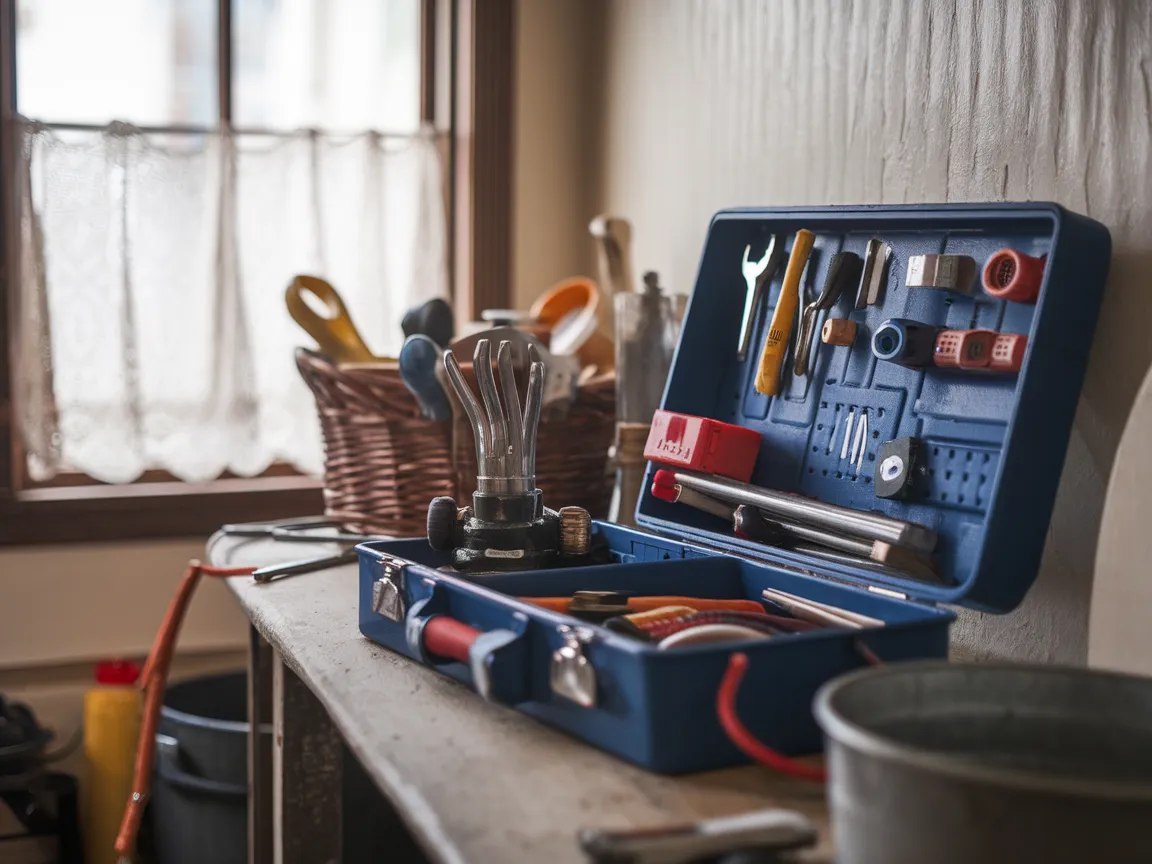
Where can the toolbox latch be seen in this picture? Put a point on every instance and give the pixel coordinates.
(572, 675)
(388, 590)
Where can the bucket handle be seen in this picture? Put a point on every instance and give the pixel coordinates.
(169, 770)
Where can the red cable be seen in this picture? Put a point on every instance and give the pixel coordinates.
(745, 740)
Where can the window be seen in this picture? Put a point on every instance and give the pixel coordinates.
(147, 388)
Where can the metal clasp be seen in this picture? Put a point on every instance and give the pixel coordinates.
(388, 590)
(572, 675)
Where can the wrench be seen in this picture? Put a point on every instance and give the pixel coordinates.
(757, 274)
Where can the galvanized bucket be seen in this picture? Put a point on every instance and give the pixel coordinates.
(999, 763)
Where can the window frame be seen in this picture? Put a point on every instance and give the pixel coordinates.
(467, 93)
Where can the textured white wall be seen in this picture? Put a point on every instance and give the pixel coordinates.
(777, 102)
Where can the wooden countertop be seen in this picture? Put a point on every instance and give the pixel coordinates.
(475, 782)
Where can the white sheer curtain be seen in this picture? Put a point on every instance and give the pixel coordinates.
(152, 331)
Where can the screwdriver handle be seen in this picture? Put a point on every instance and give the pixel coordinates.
(775, 346)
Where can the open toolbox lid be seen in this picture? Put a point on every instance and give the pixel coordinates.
(992, 446)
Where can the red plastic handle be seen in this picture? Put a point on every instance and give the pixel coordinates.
(447, 637)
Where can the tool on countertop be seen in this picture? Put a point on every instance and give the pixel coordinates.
(307, 529)
(419, 362)
(947, 272)
(838, 331)
(873, 277)
(703, 444)
(760, 830)
(898, 468)
(646, 334)
(433, 319)
(776, 345)
(1012, 275)
(758, 275)
(844, 270)
(916, 346)
(334, 331)
(600, 605)
(507, 527)
(810, 511)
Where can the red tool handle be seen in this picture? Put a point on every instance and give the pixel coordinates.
(447, 637)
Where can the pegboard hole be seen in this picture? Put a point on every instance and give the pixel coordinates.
(987, 458)
(983, 479)
(947, 475)
(961, 499)
(867, 479)
(823, 404)
(811, 470)
(839, 475)
(943, 496)
(830, 381)
(876, 434)
(819, 426)
(935, 451)
(951, 454)
(815, 449)
(880, 411)
(825, 472)
(667, 556)
(871, 457)
(931, 472)
(968, 458)
(965, 476)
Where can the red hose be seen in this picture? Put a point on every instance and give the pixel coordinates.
(152, 681)
(745, 740)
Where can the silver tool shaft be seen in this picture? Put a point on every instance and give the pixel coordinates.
(757, 275)
(808, 511)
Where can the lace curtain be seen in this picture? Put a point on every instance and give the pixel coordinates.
(151, 326)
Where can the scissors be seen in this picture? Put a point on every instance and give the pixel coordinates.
(334, 331)
(309, 529)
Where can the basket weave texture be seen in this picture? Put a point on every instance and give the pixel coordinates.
(383, 462)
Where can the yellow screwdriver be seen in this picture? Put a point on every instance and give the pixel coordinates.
(772, 358)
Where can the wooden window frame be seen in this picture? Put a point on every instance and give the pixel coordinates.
(467, 93)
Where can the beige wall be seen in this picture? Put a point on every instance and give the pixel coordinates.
(557, 113)
(799, 102)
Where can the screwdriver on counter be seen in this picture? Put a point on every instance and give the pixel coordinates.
(775, 346)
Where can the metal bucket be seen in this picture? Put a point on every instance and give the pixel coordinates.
(998, 763)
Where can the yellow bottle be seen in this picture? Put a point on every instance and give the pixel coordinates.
(111, 726)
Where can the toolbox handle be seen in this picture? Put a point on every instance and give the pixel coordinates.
(496, 660)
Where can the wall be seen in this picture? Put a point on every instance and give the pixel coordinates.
(802, 102)
(557, 113)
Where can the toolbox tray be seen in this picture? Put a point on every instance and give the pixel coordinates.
(993, 446)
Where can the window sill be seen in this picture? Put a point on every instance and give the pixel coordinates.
(73, 514)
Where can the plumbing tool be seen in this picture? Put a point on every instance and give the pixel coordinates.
(809, 511)
(758, 275)
(775, 346)
(419, 361)
(1012, 275)
(334, 332)
(760, 830)
(434, 319)
(507, 527)
(872, 280)
(844, 269)
(948, 272)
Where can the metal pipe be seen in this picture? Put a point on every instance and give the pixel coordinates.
(512, 415)
(482, 366)
(472, 409)
(844, 520)
(532, 405)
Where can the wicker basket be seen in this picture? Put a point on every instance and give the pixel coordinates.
(383, 462)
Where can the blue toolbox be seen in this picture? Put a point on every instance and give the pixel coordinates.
(913, 372)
